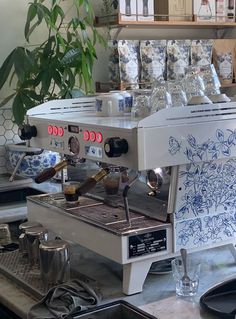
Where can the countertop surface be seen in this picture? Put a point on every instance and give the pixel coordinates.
(158, 297)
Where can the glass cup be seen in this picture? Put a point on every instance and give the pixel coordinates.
(141, 104)
(210, 79)
(178, 95)
(111, 183)
(193, 271)
(69, 190)
(194, 85)
(160, 98)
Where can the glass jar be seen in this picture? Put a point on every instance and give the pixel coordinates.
(160, 98)
(178, 95)
(141, 104)
(111, 182)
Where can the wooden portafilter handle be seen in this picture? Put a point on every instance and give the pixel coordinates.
(50, 172)
(89, 183)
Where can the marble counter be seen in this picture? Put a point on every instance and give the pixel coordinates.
(158, 297)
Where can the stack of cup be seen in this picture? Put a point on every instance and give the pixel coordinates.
(5, 235)
(22, 238)
(34, 236)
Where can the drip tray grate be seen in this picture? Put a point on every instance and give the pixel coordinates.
(16, 267)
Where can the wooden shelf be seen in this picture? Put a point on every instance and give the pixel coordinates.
(116, 21)
(228, 85)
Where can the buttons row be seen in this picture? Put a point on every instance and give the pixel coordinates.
(55, 130)
(93, 136)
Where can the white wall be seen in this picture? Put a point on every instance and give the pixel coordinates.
(13, 17)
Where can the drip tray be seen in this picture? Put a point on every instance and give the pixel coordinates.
(16, 267)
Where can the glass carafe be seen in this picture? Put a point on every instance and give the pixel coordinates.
(127, 8)
(145, 8)
(205, 12)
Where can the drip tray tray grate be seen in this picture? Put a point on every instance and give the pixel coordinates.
(16, 267)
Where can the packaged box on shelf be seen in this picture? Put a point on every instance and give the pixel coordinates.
(174, 10)
(221, 10)
(145, 9)
(128, 10)
(205, 10)
(230, 10)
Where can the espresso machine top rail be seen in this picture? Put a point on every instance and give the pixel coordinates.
(168, 137)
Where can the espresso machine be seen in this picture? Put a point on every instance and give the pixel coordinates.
(197, 143)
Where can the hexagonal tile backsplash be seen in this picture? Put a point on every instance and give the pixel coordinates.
(8, 135)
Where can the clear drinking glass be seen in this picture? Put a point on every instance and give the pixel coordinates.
(178, 95)
(141, 104)
(193, 272)
(210, 79)
(160, 98)
(194, 85)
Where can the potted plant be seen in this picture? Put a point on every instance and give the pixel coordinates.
(61, 65)
(58, 65)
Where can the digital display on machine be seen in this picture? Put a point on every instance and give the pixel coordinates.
(73, 129)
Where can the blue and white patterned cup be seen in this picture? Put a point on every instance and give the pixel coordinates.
(128, 100)
(110, 104)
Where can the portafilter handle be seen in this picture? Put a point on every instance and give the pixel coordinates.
(50, 172)
(90, 183)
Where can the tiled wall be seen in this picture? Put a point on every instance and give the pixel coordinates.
(8, 135)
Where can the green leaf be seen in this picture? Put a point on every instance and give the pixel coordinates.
(56, 77)
(7, 99)
(32, 11)
(20, 63)
(6, 68)
(31, 30)
(46, 82)
(18, 109)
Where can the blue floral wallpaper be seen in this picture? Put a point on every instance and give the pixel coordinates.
(205, 210)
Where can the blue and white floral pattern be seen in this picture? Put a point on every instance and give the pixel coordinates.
(178, 58)
(206, 230)
(31, 166)
(210, 149)
(129, 60)
(153, 60)
(201, 52)
(207, 187)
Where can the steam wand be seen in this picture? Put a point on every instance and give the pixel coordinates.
(125, 194)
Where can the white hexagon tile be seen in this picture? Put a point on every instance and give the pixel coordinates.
(8, 135)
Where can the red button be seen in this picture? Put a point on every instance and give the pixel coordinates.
(55, 130)
(60, 131)
(92, 136)
(50, 129)
(86, 135)
(99, 137)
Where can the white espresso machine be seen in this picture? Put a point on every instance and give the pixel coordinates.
(197, 142)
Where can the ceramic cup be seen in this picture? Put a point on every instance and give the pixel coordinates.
(128, 100)
(110, 104)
